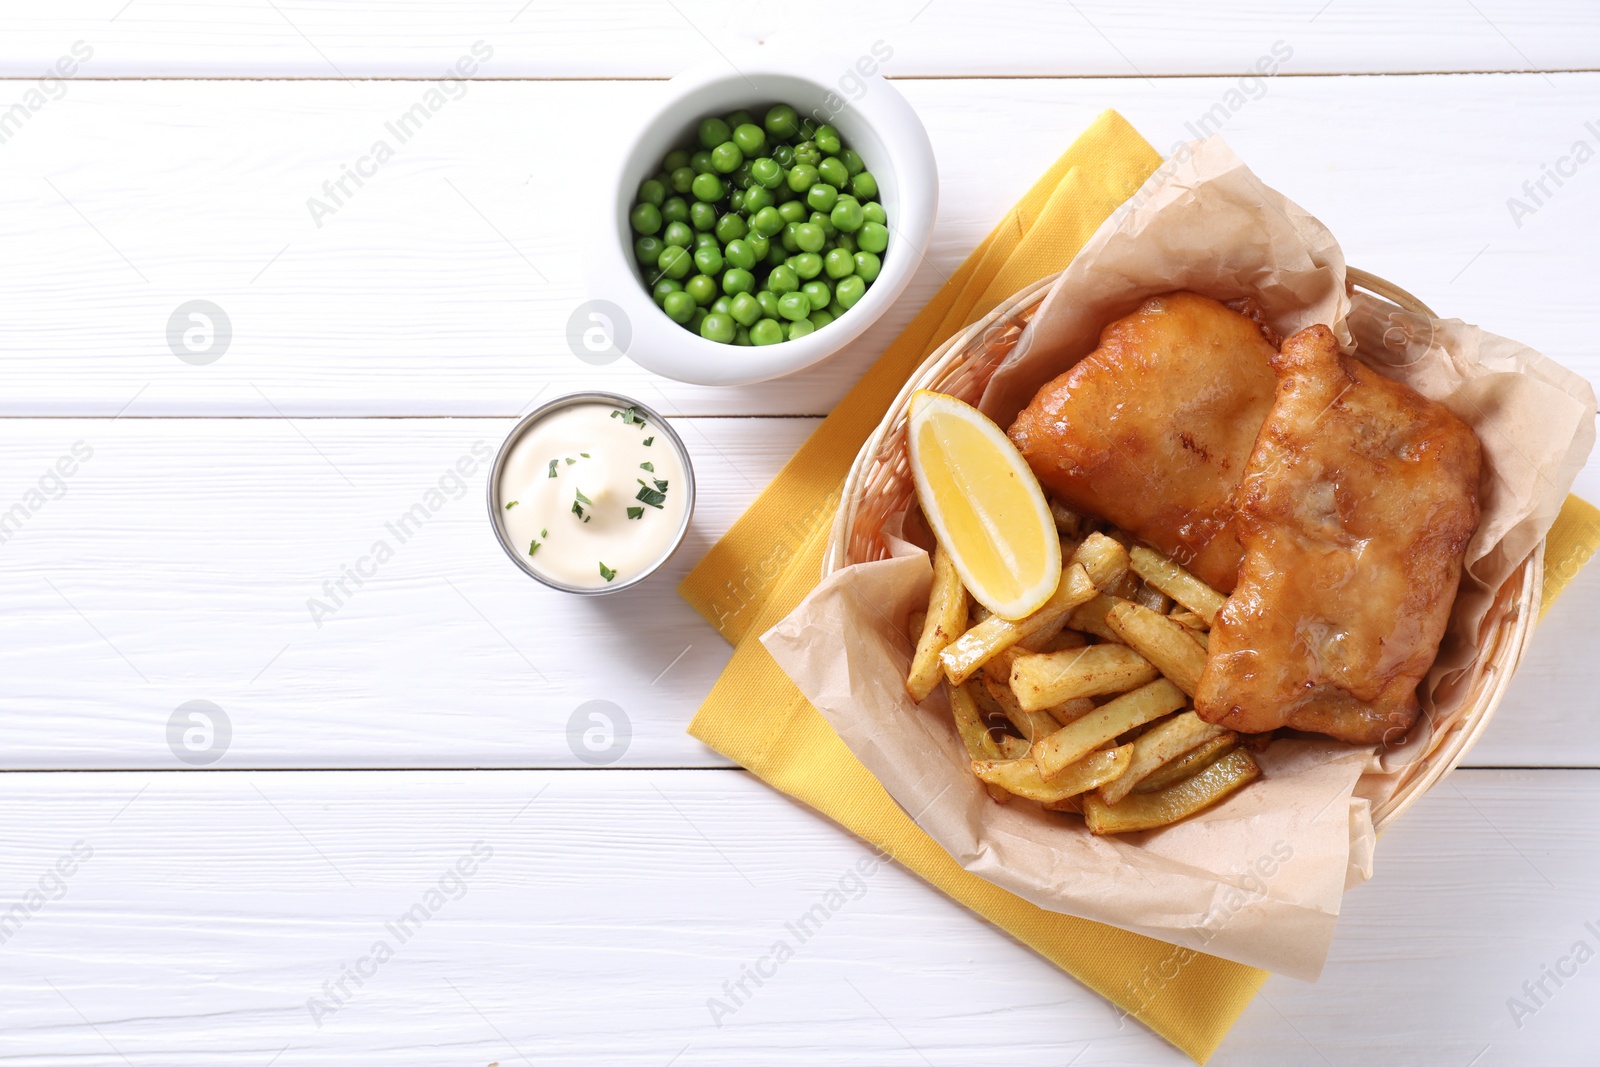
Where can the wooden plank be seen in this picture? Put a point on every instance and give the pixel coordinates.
(602, 913)
(407, 301)
(636, 38)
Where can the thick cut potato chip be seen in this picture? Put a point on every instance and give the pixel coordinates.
(994, 634)
(1159, 571)
(1022, 776)
(1050, 678)
(970, 725)
(946, 618)
(1090, 617)
(1169, 645)
(1187, 764)
(1165, 741)
(1033, 725)
(1082, 736)
(1146, 811)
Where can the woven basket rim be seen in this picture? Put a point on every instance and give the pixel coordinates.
(1503, 642)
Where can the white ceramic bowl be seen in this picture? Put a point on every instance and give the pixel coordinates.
(875, 120)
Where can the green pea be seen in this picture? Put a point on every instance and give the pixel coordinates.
(675, 159)
(726, 157)
(766, 332)
(750, 139)
(818, 293)
(821, 222)
(755, 198)
(827, 139)
(679, 307)
(846, 241)
(708, 259)
(807, 265)
(645, 218)
(702, 216)
(681, 179)
(874, 213)
(708, 188)
(809, 236)
(874, 237)
(663, 289)
(648, 249)
(852, 161)
(847, 215)
(849, 290)
(652, 192)
(777, 256)
(738, 254)
(675, 209)
(808, 129)
(787, 239)
(794, 306)
(677, 234)
(738, 280)
(713, 131)
(802, 176)
(864, 185)
(759, 244)
(867, 266)
(741, 337)
(737, 118)
(730, 227)
(836, 309)
(807, 153)
(782, 122)
(783, 155)
(675, 261)
(783, 194)
(699, 317)
(702, 288)
(819, 319)
(718, 326)
(769, 303)
(767, 221)
(766, 172)
(821, 197)
(741, 177)
(799, 329)
(793, 211)
(702, 240)
(736, 200)
(700, 162)
(721, 305)
(838, 263)
(783, 280)
(745, 309)
(833, 172)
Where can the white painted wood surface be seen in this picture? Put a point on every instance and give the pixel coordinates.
(418, 321)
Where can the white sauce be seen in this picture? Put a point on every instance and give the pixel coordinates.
(600, 458)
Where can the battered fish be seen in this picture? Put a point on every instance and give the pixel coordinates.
(1153, 428)
(1354, 512)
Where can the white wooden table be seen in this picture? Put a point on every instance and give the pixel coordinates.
(229, 914)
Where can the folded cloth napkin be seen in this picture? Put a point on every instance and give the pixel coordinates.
(772, 557)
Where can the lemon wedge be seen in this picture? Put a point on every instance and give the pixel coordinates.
(984, 504)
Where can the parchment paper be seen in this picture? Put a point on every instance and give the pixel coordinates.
(1258, 879)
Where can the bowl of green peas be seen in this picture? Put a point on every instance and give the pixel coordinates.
(764, 218)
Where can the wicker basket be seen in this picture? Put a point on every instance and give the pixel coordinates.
(879, 485)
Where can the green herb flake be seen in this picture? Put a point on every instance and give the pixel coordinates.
(606, 572)
(577, 509)
(648, 441)
(581, 498)
(651, 467)
(661, 484)
(630, 416)
(570, 461)
(585, 455)
(533, 546)
(654, 497)
(634, 513)
(513, 504)
(553, 467)
(544, 533)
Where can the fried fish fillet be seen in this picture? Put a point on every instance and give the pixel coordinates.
(1152, 429)
(1354, 513)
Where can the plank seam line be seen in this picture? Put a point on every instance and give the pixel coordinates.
(1442, 72)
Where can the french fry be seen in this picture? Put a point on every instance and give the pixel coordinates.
(1068, 521)
(970, 725)
(1082, 736)
(1187, 764)
(1149, 596)
(1090, 617)
(1163, 742)
(1048, 678)
(1022, 777)
(1124, 588)
(1069, 711)
(994, 634)
(1062, 641)
(1184, 617)
(946, 618)
(1179, 584)
(989, 709)
(1202, 637)
(1168, 645)
(1034, 725)
(1072, 804)
(1104, 559)
(1147, 811)
(914, 623)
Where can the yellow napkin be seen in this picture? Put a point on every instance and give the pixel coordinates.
(772, 558)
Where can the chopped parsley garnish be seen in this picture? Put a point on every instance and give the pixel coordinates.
(634, 513)
(577, 509)
(661, 484)
(544, 533)
(533, 546)
(654, 497)
(648, 441)
(651, 467)
(606, 572)
(553, 467)
(630, 416)
(570, 461)
(581, 498)
(513, 504)
(585, 455)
